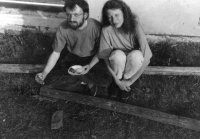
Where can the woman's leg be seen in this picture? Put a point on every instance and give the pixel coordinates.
(117, 61)
(134, 62)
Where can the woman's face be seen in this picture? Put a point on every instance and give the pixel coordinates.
(115, 17)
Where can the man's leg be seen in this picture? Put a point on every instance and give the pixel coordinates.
(98, 75)
(134, 62)
(59, 77)
(59, 80)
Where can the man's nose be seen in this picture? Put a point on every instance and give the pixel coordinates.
(71, 18)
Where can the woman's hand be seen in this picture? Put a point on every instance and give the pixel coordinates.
(124, 85)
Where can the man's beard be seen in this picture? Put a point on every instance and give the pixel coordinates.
(75, 25)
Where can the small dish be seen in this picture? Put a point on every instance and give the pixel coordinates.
(75, 70)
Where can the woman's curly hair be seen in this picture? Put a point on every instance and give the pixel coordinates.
(129, 18)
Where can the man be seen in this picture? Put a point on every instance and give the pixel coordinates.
(80, 35)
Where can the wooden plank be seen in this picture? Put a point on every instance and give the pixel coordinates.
(166, 70)
(21, 68)
(151, 70)
(146, 113)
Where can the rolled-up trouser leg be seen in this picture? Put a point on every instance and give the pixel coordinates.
(117, 61)
(133, 64)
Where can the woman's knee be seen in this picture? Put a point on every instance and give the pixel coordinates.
(117, 55)
(136, 57)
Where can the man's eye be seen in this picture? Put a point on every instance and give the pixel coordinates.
(76, 15)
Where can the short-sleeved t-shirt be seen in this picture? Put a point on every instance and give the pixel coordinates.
(113, 39)
(82, 43)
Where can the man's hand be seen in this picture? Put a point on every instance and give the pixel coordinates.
(40, 77)
(124, 85)
(86, 69)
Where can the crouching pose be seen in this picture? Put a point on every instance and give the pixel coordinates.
(123, 44)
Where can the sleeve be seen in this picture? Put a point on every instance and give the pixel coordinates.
(105, 47)
(60, 41)
(142, 41)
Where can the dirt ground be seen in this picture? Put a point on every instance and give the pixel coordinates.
(25, 114)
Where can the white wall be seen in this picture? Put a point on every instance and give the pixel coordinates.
(173, 17)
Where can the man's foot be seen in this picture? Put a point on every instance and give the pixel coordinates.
(113, 90)
(92, 89)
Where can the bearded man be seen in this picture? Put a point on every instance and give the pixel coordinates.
(79, 35)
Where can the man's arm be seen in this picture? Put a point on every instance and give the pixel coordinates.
(53, 58)
(93, 62)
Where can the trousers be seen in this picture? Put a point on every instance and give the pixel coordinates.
(59, 77)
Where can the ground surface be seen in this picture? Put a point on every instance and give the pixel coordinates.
(24, 114)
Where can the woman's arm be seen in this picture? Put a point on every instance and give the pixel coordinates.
(111, 71)
(121, 85)
(146, 51)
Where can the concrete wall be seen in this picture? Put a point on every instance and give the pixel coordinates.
(173, 17)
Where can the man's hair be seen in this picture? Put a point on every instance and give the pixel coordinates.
(129, 23)
(72, 3)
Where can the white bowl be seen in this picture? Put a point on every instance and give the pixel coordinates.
(75, 70)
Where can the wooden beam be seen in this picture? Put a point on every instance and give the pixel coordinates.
(146, 113)
(166, 70)
(151, 70)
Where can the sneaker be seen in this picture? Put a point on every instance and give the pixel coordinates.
(92, 89)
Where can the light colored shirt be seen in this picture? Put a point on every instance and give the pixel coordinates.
(113, 39)
(82, 43)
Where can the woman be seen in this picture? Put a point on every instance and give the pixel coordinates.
(123, 44)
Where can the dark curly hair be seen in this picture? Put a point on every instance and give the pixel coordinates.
(129, 18)
(72, 3)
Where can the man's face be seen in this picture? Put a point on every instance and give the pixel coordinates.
(75, 17)
(115, 17)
